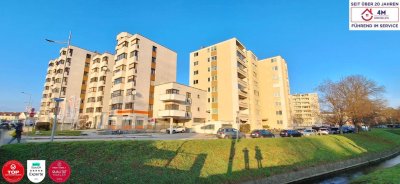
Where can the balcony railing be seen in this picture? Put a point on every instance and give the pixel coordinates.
(172, 113)
(129, 98)
(173, 97)
(242, 82)
(117, 99)
(242, 94)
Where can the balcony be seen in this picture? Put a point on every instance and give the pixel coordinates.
(117, 99)
(243, 104)
(242, 82)
(241, 62)
(242, 94)
(129, 98)
(119, 73)
(240, 50)
(241, 73)
(173, 97)
(172, 113)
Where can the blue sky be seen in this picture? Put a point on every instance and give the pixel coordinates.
(313, 37)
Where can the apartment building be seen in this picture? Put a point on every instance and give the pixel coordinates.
(179, 105)
(274, 93)
(225, 70)
(140, 64)
(98, 93)
(66, 78)
(305, 109)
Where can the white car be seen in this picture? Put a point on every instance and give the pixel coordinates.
(177, 129)
(309, 132)
(323, 131)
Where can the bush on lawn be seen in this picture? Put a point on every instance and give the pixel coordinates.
(245, 128)
(42, 126)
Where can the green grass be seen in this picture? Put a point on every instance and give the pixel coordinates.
(198, 161)
(60, 133)
(387, 176)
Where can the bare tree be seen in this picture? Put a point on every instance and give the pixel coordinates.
(353, 98)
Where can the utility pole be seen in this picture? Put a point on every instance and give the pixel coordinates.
(59, 99)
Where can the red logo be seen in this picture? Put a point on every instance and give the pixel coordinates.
(59, 171)
(367, 14)
(13, 171)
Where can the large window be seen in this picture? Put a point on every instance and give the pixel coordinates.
(171, 107)
(172, 91)
(119, 80)
(117, 93)
(121, 56)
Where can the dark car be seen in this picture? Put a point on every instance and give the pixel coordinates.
(347, 130)
(290, 133)
(261, 133)
(229, 133)
(5, 126)
(334, 130)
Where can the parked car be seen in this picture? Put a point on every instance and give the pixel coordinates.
(323, 131)
(347, 130)
(229, 133)
(176, 129)
(290, 133)
(5, 126)
(334, 130)
(309, 132)
(261, 133)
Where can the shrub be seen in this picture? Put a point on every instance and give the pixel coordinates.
(42, 126)
(245, 128)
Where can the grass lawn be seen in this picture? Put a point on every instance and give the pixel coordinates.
(61, 133)
(387, 176)
(197, 161)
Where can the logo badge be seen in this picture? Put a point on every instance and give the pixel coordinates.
(36, 170)
(13, 171)
(59, 171)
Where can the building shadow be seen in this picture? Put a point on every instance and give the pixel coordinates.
(246, 158)
(258, 157)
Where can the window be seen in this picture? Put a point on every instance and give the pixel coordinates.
(273, 60)
(214, 111)
(99, 109)
(278, 112)
(153, 59)
(214, 58)
(279, 122)
(198, 96)
(139, 122)
(208, 90)
(171, 107)
(214, 77)
(132, 66)
(196, 72)
(214, 99)
(213, 68)
(276, 94)
(214, 89)
(208, 100)
(119, 80)
(196, 54)
(154, 49)
(208, 68)
(130, 92)
(195, 63)
(213, 48)
(275, 68)
(188, 95)
(150, 107)
(100, 99)
(116, 106)
(117, 93)
(121, 56)
(88, 56)
(195, 81)
(198, 108)
(132, 78)
(102, 78)
(101, 88)
(172, 91)
(209, 79)
(134, 53)
(153, 71)
(129, 106)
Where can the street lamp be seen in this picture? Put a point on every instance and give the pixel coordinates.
(28, 108)
(59, 99)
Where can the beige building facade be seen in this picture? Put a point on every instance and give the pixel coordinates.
(305, 109)
(140, 64)
(225, 71)
(66, 78)
(179, 105)
(274, 93)
(97, 98)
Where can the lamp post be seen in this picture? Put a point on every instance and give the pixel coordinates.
(29, 107)
(59, 99)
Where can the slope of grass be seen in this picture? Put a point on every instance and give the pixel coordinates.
(387, 176)
(198, 161)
